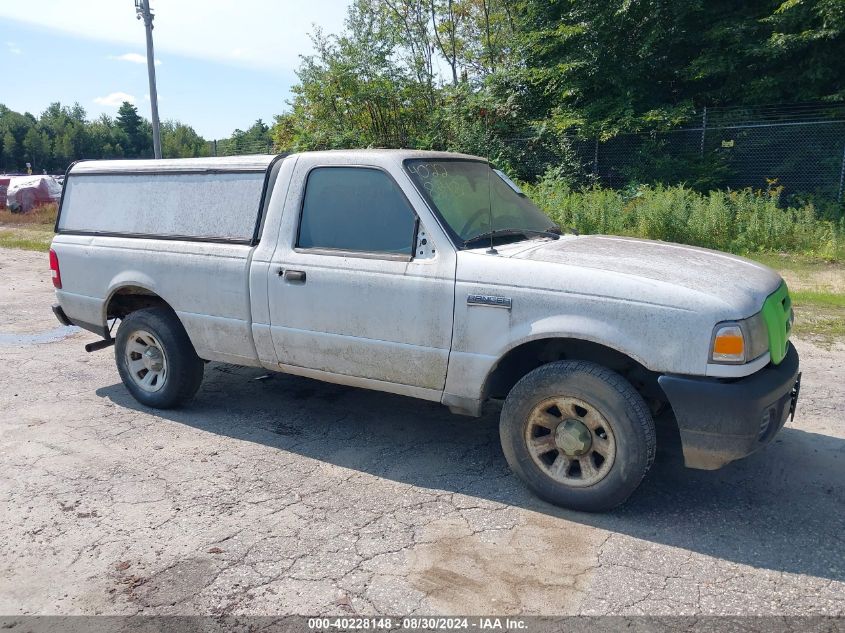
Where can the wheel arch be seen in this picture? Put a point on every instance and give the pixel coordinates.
(131, 296)
(123, 299)
(535, 351)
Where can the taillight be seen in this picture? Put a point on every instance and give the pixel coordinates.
(54, 269)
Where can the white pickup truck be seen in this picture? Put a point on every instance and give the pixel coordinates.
(432, 276)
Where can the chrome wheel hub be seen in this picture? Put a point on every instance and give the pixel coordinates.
(146, 361)
(153, 359)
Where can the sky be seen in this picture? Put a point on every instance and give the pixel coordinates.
(220, 65)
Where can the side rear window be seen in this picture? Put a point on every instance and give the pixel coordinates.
(188, 205)
(355, 209)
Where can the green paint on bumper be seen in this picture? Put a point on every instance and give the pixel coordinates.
(777, 314)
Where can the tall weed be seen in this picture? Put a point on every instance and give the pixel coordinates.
(743, 222)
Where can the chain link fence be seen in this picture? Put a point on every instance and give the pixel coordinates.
(239, 147)
(800, 148)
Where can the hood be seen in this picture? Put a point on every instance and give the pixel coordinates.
(729, 279)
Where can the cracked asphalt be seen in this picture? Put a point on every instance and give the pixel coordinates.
(281, 495)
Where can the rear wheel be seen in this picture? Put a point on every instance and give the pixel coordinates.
(156, 360)
(578, 434)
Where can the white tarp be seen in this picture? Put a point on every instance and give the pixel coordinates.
(53, 188)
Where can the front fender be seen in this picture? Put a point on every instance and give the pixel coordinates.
(470, 366)
(578, 327)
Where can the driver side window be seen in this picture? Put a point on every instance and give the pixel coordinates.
(357, 209)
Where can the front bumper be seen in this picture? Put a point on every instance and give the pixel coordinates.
(723, 420)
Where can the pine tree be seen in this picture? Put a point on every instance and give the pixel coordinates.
(131, 123)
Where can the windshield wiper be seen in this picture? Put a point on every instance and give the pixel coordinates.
(553, 232)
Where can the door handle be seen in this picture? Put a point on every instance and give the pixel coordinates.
(295, 276)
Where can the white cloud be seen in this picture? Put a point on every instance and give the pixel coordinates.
(115, 99)
(255, 33)
(134, 58)
(13, 48)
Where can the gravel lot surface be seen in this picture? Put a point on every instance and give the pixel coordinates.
(281, 495)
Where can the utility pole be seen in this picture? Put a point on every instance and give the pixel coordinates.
(143, 12)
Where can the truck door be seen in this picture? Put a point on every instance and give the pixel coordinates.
(352, 290)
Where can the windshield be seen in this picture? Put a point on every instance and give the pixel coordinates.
(468, 193)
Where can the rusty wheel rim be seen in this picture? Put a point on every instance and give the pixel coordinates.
(570, 441)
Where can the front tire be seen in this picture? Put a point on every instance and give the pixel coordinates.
(578, 434)
(156, 360)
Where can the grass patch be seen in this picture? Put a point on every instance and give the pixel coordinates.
(819, 315)
(823, 326)
(806, 270)
(43, 215)
(795, 262)
(34, 238)
(32, 231)
(818, 299)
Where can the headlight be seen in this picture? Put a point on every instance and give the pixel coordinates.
(728, 344)
(757, 336)
(736, 342)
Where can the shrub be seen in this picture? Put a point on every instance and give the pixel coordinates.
(743, 222)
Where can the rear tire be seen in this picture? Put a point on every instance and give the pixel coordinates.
(578, 434)
(156, 360)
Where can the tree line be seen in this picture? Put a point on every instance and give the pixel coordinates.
(63, 134)
(471, 75)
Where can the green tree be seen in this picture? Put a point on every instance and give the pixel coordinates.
(65, 128)
(36, 146)
(139, 142)
(255, 140)
(608, 67)
(63, 134)
(181, 141)
(356, 91)
(106, 139)
(14, 128)
(445, 25)
(805, 50)
(10, 152)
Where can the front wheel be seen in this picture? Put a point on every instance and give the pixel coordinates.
(156, 360)
(578, 434)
